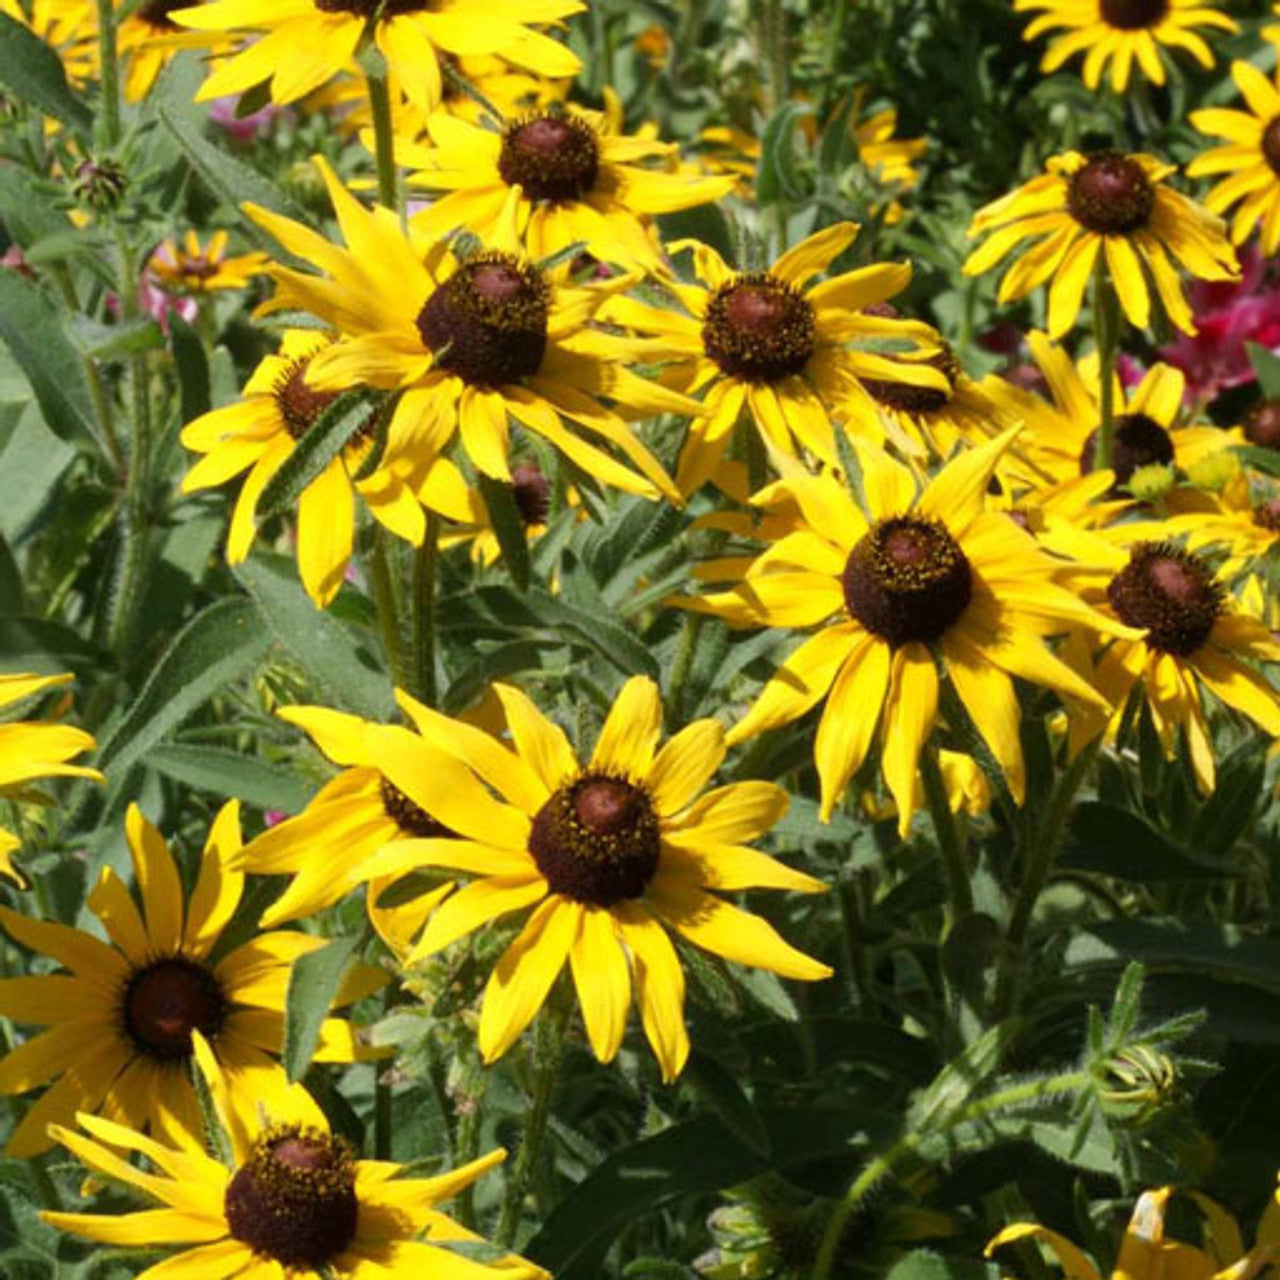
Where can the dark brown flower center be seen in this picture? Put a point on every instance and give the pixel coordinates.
(1137, 441)
(168, 1000)
(488, 321)
(1266, 515)
(411, 818)
(155, 13)
(294, 1199)
(1262, 424)
(532, 492)
(367, 8)
(1133, 15)
(758, 328)
(907, 579)
(596, 840)
(1169, 593)
(1271, 144)
(1110, 194)
(906, 398)
(552, 157)
(301, 405)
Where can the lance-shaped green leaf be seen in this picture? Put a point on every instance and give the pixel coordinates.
(351, 413)
(504, 515)
(313, 983)
(35, 74)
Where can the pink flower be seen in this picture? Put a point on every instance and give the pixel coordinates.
(160, 305)
(222, 111)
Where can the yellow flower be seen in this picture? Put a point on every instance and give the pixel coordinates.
(190, 269)
(120, 1018)
(1251, 158)
(29, 751)
(305, 43)
(577, 180)
(259, 433)
(148, 38)
(783, 347)
(292, 1201)
(1103, 203)
(654, 44)
(890, 161)
(69, 27)
(915, 575)
(469, 342)
(1122, 32)
(606, 854)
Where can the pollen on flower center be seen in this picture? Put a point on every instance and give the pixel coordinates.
(488, 321)
(1110, 194)
(294, 1199)
(552, 157)
(758, 328)
(596, 840)
(1133, 15)
(907, 398)
(1137, 441)
(532, 492)
(411, 818)
(907, 579)
(168, 1000)
(1169, 593)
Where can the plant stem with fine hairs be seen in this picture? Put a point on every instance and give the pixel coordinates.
(109, 75)
(384, 137)
(1106, 332)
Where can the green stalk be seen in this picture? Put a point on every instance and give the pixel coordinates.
(424, 614)
(1106, 332)
(548, 1050)
(945, 828)
(883, 1166)
(693, 623)
(384, 137)
(109, 76)
(384, 596)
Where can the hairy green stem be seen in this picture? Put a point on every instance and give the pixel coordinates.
(109, 75)
(1106, 332)
(945, 828)
(424, 614)
(384, 597)
(384, 138)
(693, 624)
(884, 1166)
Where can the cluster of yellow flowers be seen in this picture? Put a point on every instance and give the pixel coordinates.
(931, 538)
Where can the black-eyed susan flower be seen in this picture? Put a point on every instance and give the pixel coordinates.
(188, 268)
(1250, 160)
(609, 855)
(292, 1201)
(30, 751)
(579, 179)
(1061, 434)
(1186, 634)
(792, 352)
(120, 1016)
(916, 575)
(1122, 33)
(470, 342)
(305, 43)
(259, 433)
(147, 38)
(1104, 203)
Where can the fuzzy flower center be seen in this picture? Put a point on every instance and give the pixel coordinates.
(552, 157)
(906, 398)
(1137, 441)
(907, 579)
(1262, 424)
(1110, 194)
(1169, 593)
(596, 840)
(411, 818)
(758, 328)
(294, 1199)
(367, 8)
(532, 492)
(168, 1000)
(301, 405)
(1133, 15)
(488, 321)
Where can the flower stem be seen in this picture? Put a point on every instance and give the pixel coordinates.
(883, 1166)
(1106, 332)
(424, 614)
(944, 826)
(109, 74)
(384, 596)
(384, 137)
(548, 1050)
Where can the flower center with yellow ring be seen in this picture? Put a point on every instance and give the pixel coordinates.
(488, 321)
(596, 840)
(907, 579)
(411, 818)
(1262, 424)
(1136, 441)
(1133, 15)
(1170, 594)
(294, 1199)
(166, 1001)
(552, 157)
(758, 328)
(906, 398)
(1110, 194)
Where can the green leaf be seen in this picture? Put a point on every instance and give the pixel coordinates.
(313, 983)
(777, 177)
(193, 369)
(724, 1096)
(1267, 460)
(114, 341)
(235, 183)
(42, 644)
(1107, 838)
(228, 773)
(957, 1082)
(220, 644)
(924, 1264)
(1266, 365)
(35, 74)
(508, 525)
(329, 650)
(321, 444)
(31, 327)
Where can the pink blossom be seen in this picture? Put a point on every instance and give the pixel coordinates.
(160, 305)
(222, 111)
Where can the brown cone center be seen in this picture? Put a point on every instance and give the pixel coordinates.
(1110, 194)
(168, 1000)
(553, 157)
(1169, 593)
(1133, 15)
(759, 329)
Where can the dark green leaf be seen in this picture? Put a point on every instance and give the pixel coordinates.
(724, 1096)
(924, 1264)
(193, 369)
(35, 74)
(957, 1082)
(1266, 365)
(228, 773)
(313, 983)
(112, 341)
(777, 177)
(1107, 838)
(41, 644)
(508, 525)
